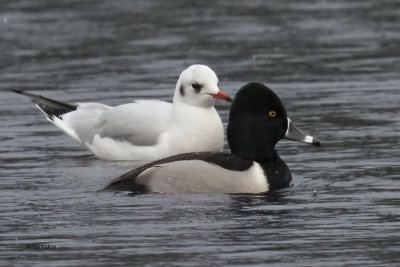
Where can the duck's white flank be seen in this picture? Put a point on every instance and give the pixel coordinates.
(197, 176)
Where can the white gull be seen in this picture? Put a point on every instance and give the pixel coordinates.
(146, 130)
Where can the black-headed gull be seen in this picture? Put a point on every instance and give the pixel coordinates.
(146, 130)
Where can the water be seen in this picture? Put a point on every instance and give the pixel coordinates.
(335, 64)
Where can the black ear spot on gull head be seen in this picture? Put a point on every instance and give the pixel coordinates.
(182, 90)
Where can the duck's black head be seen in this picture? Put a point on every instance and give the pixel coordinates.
(257, 121)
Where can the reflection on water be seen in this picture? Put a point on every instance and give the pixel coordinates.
(334, 64)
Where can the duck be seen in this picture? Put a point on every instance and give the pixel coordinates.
(257, 121)
(145, 130)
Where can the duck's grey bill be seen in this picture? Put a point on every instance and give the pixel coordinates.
(294, 134)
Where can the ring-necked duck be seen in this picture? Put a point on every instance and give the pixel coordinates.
(257, 121)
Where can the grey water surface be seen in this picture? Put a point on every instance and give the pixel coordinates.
(335, 65)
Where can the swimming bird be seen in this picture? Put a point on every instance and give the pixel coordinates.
(146, 130)
(257, 121)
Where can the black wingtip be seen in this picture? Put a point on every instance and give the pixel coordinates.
(17, 91)
(24, 93)
(52, 108)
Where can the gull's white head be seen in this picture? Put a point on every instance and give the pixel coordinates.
(198, 86)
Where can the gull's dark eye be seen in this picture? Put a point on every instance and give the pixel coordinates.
(197, 87)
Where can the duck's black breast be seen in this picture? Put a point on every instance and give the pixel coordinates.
(126, 182)
(277, 172)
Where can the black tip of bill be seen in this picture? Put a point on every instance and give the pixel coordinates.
(294, 134)
(316, 143)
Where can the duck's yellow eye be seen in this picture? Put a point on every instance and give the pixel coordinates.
(272, 114)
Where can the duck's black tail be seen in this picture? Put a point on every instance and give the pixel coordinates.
(51, 108)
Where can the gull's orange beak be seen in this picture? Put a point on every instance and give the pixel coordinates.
(222, 95)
